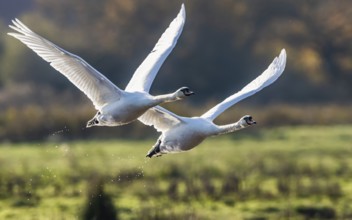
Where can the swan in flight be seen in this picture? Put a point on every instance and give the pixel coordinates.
(115, 106)
(183, 133)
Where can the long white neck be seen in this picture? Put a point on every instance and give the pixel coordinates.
(171, 97)
(224, 129)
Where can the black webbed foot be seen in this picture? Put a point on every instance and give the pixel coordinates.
(155, 151)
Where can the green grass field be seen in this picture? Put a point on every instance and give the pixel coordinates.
(281, 173)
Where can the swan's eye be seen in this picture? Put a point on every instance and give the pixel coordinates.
(187, 92)
(249, 120)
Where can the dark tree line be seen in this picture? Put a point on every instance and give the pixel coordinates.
(224, 45)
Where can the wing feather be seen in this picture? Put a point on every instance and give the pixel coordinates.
(160, 118)
(95, 85)
(145, 74)
(269, 76)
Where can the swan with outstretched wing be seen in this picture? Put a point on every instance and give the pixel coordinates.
(183, 133)
(115, 106)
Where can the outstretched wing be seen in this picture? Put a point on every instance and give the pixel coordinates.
(95, 85)
(160, 118)
(269, 76)
(145, 74)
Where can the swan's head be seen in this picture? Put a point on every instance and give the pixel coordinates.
(247, 120)
(183, 92)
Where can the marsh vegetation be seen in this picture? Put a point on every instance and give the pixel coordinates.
(300, 172)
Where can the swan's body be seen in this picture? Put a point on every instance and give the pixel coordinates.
(188, 134)
(125, 109)
(183, 133)
(115, 106)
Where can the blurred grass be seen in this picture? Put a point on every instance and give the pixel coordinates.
(281, 173)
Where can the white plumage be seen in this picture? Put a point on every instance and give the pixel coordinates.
(183, 133)
(115, 106)
(151, 65)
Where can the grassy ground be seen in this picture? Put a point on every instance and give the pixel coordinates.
(282, 173)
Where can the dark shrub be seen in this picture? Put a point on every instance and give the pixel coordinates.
(316, 212)
(99, 205)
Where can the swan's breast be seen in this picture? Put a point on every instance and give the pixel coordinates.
(187, 135)
(128, 108)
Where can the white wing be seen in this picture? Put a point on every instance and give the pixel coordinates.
(95, 85)
(160, 118)
(144, 75)
(269, 76)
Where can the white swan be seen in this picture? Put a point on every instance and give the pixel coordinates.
(115, 106)
(183, 133)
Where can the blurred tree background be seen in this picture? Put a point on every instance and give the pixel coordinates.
(224, 45)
